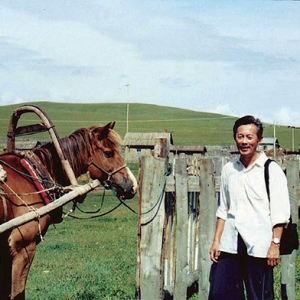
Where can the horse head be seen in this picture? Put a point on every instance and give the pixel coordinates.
(107, 164)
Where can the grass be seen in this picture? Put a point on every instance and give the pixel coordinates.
(88, 258)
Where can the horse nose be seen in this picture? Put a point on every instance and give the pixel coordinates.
(134, 189)
(130, 193)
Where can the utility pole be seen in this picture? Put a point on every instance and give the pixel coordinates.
(293, 137)
(274, 141)
(127, 114)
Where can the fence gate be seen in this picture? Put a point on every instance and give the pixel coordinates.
(178, 198)
(177, 203)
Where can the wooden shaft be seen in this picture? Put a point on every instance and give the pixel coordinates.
(77, 191)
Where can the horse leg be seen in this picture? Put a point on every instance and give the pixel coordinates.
(5, 271)
(21, 262)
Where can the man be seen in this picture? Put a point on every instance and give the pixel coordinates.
(249, 226)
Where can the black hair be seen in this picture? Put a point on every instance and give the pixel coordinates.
(248, 120)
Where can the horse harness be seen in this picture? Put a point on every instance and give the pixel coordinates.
(109, 174)
(43, 181)
(107, 182)
(45, 184)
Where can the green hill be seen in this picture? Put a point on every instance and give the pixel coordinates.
(188, 127)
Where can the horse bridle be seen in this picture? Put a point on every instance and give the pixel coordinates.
(108, 183)
(109, 174)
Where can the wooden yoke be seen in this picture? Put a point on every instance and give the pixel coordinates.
(46, 125)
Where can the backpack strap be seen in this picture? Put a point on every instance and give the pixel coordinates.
(267, 180)
(268, 161)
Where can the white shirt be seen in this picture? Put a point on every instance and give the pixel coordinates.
(245, 206)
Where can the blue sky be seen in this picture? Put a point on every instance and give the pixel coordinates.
(230, 57)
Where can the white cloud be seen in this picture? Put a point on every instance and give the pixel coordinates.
(287, 116)
(8, 97)
(223, 109)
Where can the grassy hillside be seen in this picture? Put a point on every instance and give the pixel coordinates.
(188, 127)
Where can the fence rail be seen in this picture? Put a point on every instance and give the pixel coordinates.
(177, 222)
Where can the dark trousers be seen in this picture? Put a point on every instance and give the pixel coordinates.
(234, 272)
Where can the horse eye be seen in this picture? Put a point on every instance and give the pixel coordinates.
(108, 154)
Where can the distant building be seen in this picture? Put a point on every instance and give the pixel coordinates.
(26, 144)
(268, 143)
(142, 144)
(189, 150)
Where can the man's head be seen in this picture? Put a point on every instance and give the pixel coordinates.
(248, 120)
(247, 133)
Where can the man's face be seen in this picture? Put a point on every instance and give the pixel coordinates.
(246, 139)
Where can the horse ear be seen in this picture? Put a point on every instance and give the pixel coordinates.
(103, 131)
(112, 124)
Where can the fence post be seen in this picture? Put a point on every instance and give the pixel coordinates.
(150, 223)
(180, 284)
(288, 262)
(208, 207)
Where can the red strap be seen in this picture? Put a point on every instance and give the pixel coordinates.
(36, 181)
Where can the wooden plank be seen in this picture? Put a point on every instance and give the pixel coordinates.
(208, 207)
(169, 244)
(161, 147)
(151, 222)
(219, 162)
(194, 183)
(180, 287)
(170, 184)
(193, 235)
(29, 129)
(288, 262)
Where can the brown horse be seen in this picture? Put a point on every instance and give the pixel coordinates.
(94, 150)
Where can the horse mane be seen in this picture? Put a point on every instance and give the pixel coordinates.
(77, 149)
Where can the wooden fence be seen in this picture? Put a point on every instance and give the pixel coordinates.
(177, 208)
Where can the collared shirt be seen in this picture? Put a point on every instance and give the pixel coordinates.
(245, 206)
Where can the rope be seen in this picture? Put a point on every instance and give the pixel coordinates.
(159, 200)
(30, 208)
(93, 217)
(158, 203)
(92, 212)
(32, 193)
